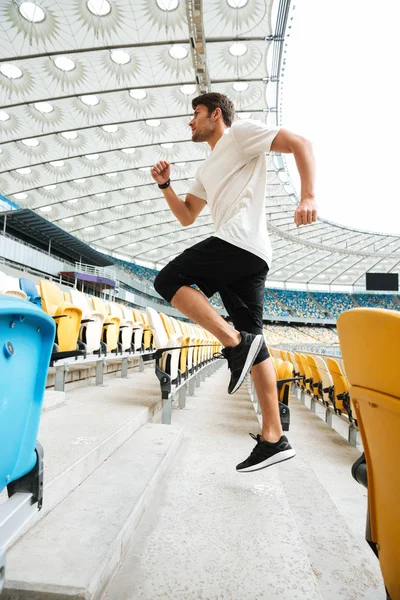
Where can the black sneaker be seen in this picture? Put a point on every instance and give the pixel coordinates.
(241, 358)
(265, 454)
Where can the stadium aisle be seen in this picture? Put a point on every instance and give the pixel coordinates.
(215, 534)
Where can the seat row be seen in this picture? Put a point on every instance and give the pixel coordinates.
(322, 380)
(83, 321)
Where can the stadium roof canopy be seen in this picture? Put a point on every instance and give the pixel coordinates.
(93, 92)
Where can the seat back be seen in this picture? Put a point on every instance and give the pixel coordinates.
(10, 286)
(327, 381)
(79, 299)
(52, 296)
(27, 337)
(370, 343)
(157, 327)
(30, 290)
(339, 381)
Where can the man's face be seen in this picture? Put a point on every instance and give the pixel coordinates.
(202, 124)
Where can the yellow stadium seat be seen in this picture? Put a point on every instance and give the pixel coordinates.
(67, 316)
(110, 326)
(341, 388)
(370, 343)
(147, 332)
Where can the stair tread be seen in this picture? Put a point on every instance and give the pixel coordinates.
(76, 541)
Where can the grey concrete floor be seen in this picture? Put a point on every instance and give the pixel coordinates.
(292, 531)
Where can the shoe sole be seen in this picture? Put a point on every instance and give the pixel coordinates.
(251, 357)
(273, 460)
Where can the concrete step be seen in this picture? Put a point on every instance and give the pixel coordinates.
(84, 431)
(283, 533)
(75, 550)
(213, 533)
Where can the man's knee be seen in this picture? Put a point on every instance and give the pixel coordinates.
(161, 284)
(167, 282)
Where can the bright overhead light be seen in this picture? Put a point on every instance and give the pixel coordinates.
(138, 94)
(100, 8)
(31, 142)
(82, 180)
(44, 107)
(237, 3)
(69, 135)
(49, 187)
(110, 128)
(92, 156)
(153, 122)
(244, 115)
(73, 201)
(21, 196)
(129, 150)
(167, 146)
(24, 171)
(68, 219)
(57, 163)
(4, 116)
(46, 208)
(188, 89)
(64, 63)
(120, 57)
(31, 12)
(167, 5)
(89, 228)
(178, 52)
(10, 71)
(240, 86)
(111, 174)
(238, 49)
(90, 100)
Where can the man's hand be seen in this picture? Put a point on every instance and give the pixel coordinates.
(306, 212)
(161, 172)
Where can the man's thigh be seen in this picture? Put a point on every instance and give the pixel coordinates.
(244, 301)
(211, 264)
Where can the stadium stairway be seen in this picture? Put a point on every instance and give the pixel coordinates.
(148, 511)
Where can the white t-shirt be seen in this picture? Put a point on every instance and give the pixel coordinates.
(233, 180)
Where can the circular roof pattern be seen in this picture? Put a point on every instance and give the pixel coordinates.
(93, 92)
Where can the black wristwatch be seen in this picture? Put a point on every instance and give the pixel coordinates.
(163, 186)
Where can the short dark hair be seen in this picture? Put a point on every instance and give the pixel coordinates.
(214, 100)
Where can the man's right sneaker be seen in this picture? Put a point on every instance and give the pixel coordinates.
(241, 358)
(265, 454)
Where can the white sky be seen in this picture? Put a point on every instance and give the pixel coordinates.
(341, 91)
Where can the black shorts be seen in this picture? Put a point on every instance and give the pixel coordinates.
(218, 266)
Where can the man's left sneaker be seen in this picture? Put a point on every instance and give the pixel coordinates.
(265, 454)
(241, 358)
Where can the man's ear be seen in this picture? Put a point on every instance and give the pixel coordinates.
(218, 113)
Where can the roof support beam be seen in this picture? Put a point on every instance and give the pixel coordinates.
(194, 11)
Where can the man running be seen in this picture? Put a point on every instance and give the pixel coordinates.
(235, 260)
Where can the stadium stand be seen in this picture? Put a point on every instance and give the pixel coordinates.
(387, 301)
(271, 305)
(334, 303)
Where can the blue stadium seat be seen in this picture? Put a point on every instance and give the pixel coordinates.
(30, 290)
(27, 337)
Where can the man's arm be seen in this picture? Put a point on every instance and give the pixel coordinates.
(186, 211)
(287, 142)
